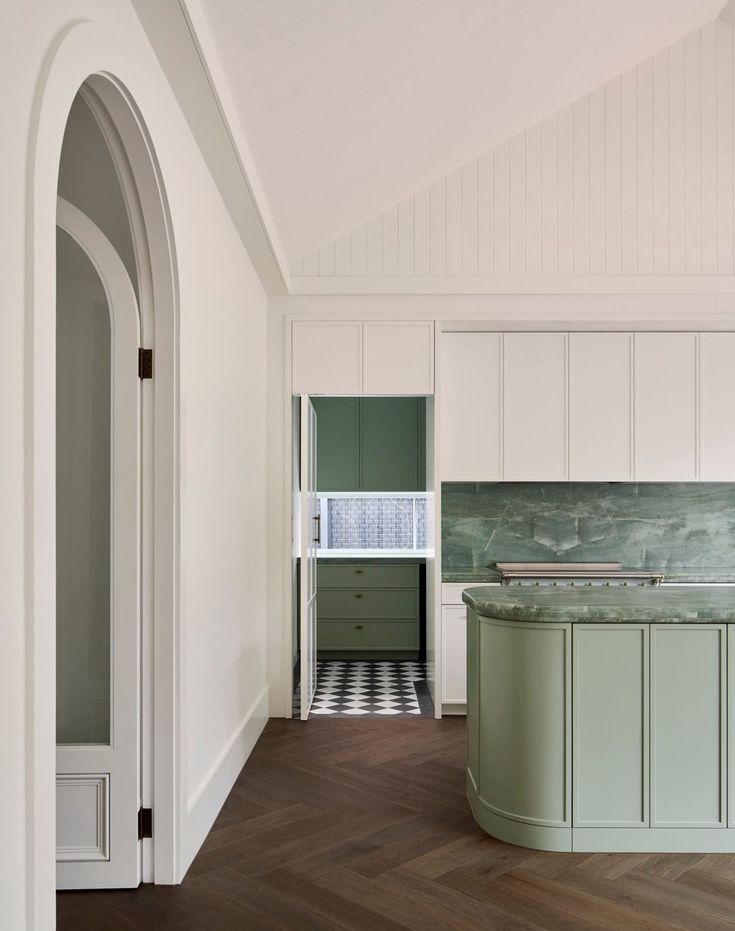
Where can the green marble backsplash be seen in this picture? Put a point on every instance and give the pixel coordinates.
(652, 526)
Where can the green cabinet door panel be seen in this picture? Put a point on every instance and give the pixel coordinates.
(610, 725)
(389, 455)
(524, 688)
(371, 444)
(688, 725)
(338, 443)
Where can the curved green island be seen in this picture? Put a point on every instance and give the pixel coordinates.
(602, 719)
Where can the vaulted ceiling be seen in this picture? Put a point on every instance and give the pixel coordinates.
(348, 106)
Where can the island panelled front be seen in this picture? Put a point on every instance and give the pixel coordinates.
(602, 719)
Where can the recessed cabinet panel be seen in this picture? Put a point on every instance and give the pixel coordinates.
(600, 410)
(454, 654)
(389, 444)
(471, 416)
(338, 431)
(717, 407)
(524, 710)
(535, 407)
(688, 736)
(665, 407)
(399, 358)
(610, 725)
(326, 358)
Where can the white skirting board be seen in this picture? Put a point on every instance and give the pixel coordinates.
(206, 802)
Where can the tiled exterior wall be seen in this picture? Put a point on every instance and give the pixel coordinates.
(375, 523)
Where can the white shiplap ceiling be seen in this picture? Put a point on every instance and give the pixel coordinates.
(348, 106)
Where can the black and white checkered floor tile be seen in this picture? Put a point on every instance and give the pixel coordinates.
(353, 688)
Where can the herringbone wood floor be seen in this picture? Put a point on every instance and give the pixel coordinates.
(363, 825)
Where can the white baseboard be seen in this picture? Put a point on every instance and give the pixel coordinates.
(206, 802)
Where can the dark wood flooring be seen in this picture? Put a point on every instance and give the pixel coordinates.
(363, 825)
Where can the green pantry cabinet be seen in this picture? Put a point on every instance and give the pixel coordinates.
(368, 606)
(370, 444)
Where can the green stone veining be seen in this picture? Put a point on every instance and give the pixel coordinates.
(686, 530)
(615, 605)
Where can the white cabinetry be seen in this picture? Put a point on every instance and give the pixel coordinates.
(600, 407)
(398, 358)
(454, 654)
(471, 415)
(326, 358)
(665, 407)
(340, 357)
(535, 407)
(717, 407)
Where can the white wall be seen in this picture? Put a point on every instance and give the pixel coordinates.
(222, 394)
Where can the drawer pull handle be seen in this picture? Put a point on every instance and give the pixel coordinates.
(358, 595)
(358, 571)
(358, 627)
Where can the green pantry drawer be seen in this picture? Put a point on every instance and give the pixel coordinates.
(368, 606)
(367, 575)
(367, 635)
(378, 603)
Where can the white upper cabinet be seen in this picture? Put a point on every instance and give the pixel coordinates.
(600, 407)
(535, 407)
(471, 415)
(717, 407)
(665, 407)
(398, 358)
(326, 358)
(362, 358)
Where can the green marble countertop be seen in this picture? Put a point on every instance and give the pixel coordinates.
(470, 574)
(681, 576)
(642, 604)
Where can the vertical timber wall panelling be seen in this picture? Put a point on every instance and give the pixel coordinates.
(635, 178)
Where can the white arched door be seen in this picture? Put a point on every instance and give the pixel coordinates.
(98, 503)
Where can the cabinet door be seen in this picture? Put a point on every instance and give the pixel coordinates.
(524, 758)
(326, 358)
(665, 407)
(600, 409)
(338, 440)
(688, 734)
(454, 654)
(610, 725)
(399, 358)
(535, 407)
(471, 416)
(389, 451)
(716, 406)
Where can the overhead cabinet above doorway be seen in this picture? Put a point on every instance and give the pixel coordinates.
(370, 444)
(377, 357)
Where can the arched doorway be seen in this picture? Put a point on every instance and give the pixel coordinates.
(87, 57)
(105, 595)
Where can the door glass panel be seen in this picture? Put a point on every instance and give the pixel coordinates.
(83, 499)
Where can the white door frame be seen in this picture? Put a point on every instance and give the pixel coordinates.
(310, 537)
(117, 860)
(88, 53)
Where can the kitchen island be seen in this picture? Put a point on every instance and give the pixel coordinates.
(597, 718)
